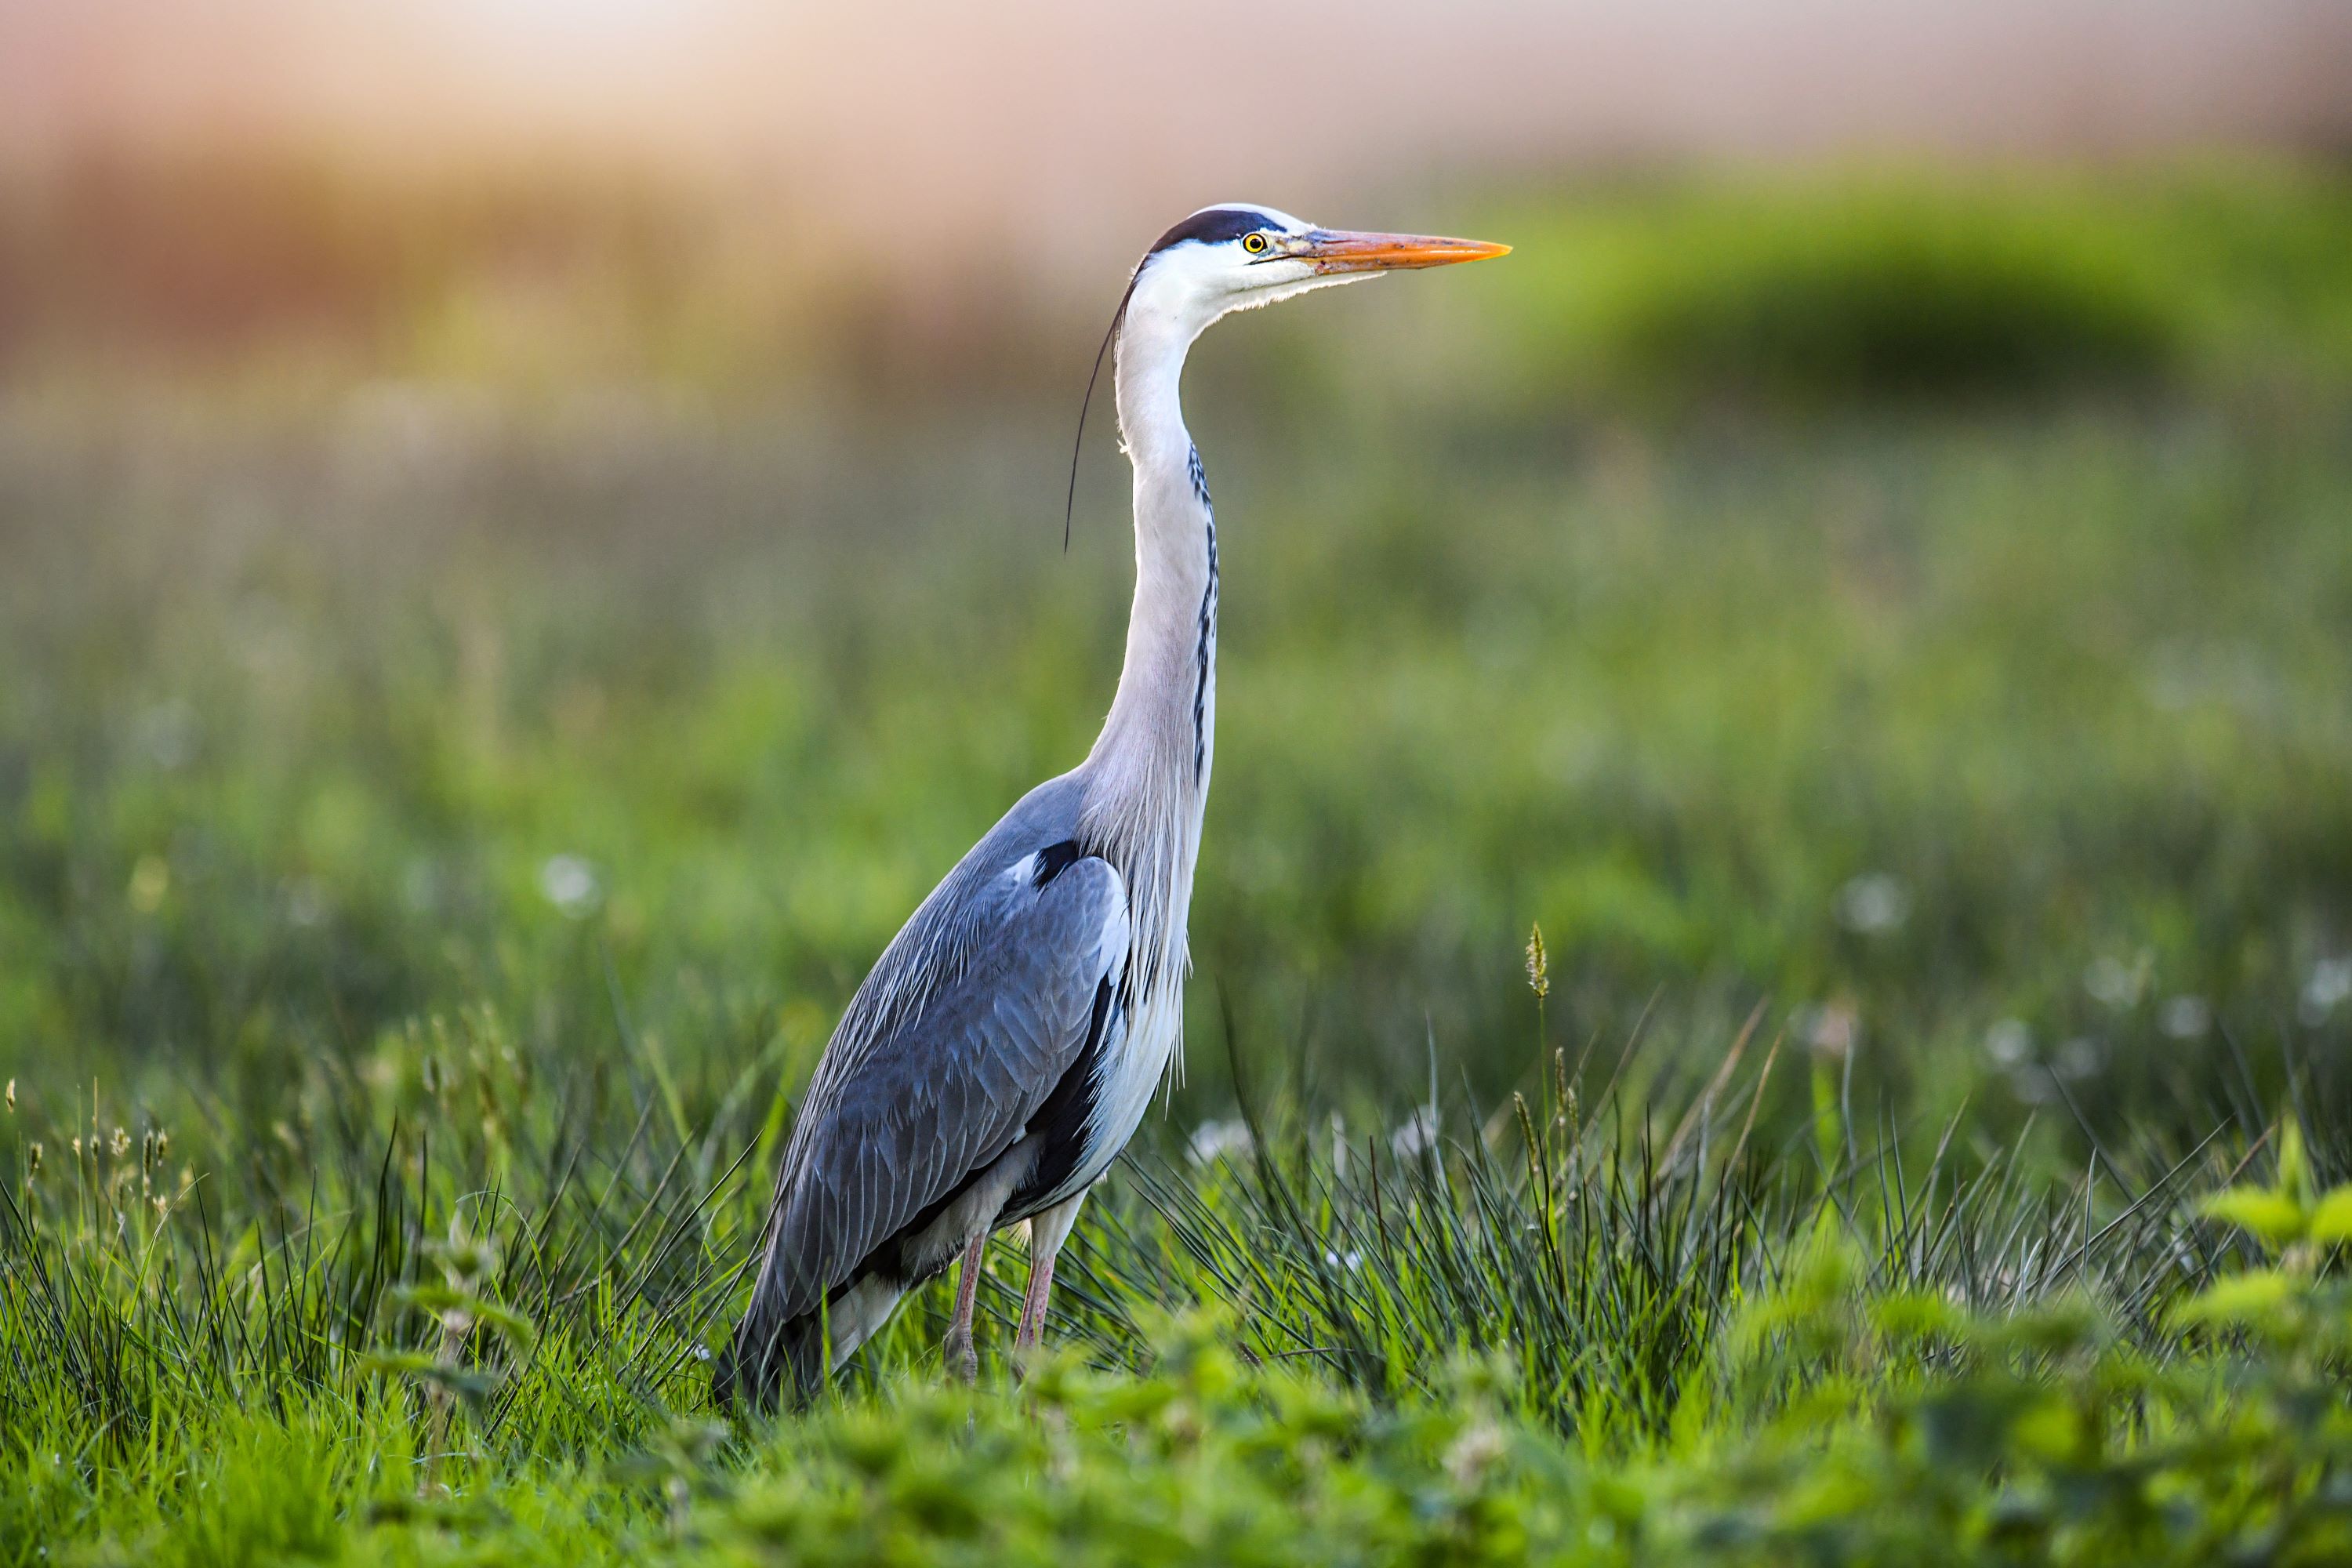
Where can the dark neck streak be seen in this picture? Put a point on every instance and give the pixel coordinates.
(1205, 651)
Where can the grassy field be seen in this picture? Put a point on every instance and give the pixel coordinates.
(1891, 632)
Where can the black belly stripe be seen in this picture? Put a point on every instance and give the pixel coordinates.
(1201, 654)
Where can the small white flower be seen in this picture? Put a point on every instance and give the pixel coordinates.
(2080, 1058)
(2118, 985)
(571, 885)
(1874, 904)
(2329, 988)
(2033, 1085)
(1215, 1141)
(1830, 1029)
(2009, 1042)
(1418, 1136)
(2185, 1017)
(1474, 1453)
(306, 904)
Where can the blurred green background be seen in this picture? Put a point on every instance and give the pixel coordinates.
(1912, 595)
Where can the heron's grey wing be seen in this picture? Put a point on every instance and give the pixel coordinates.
(973, 1014)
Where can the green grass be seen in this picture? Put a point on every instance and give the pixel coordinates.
(438, 1324)
(1889, 634)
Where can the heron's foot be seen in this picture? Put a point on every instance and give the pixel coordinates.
(1028, 1350)
(962, 1359)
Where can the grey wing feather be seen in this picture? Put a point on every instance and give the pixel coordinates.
(971, 1016)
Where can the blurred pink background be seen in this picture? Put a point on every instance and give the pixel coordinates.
(939, 118)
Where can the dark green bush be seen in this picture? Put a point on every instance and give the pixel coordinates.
(1890, 298)
(1864, 288)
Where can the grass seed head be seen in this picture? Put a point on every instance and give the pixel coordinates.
(1539, 963)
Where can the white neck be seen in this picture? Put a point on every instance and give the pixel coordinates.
(1155, 742)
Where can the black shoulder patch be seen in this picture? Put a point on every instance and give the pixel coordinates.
(1214, 226)
(1054, 859)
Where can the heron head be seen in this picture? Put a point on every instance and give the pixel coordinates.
(1236, 254)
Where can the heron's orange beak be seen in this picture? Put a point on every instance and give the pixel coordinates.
(1344, 250)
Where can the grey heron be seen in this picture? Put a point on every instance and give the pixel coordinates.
(1006, 1044)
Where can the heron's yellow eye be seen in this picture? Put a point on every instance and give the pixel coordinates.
(1254, 244)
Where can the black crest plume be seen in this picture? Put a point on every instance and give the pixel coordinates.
(1070, 501)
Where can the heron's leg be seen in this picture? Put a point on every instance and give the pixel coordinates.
(962, 1359)
(1047, 1230)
